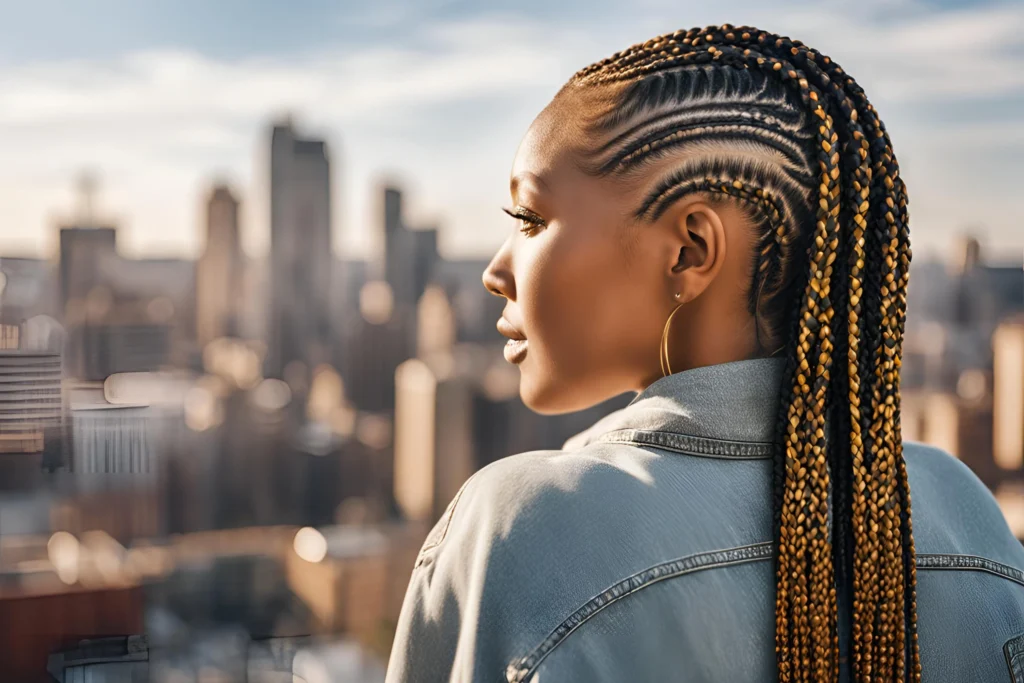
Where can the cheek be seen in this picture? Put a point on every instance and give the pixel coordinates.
(577, 307)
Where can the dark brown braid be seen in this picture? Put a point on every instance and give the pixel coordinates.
(831, 211)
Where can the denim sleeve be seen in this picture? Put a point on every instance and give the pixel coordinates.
(436, 626)
(474, 603)
(427, 632)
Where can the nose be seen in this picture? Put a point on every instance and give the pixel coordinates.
(497, 277)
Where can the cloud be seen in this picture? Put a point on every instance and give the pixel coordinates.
(958, 54)
(456, 60)
(446, 107)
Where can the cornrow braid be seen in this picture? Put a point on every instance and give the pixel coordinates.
(768, 209)
(784, 131)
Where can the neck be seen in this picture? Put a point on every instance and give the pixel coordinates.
(723, 339)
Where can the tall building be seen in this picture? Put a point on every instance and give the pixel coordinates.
(351, 275)
(83, 251)
(959, 423)
(476, 309)
(953, 311)
(86, 246)
(396, 251)
(219, 284)
(433, 439)
(375, 339)
(1008, 394)
(300, 251)
(121, 314)
(436, 331)
(410, 256)
(31, 411)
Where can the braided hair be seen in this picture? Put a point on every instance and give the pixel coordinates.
(782, 130)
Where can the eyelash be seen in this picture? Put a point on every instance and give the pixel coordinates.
(531, 221)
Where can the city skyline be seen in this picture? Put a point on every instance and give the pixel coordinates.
(247, 361)
(423, 94)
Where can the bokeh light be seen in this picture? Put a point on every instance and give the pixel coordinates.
(310, 544)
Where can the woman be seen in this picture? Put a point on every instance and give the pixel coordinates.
(733, 195)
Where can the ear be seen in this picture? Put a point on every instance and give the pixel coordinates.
(699, 233)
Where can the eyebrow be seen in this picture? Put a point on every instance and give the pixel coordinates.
(527, 176)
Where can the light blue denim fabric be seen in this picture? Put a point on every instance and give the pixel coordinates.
(642, 551)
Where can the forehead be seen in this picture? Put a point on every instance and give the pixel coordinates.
(559, 136)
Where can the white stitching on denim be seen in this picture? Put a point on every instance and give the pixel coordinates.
(429, 544)
(691, 445)
(518, 670)
(969, 563)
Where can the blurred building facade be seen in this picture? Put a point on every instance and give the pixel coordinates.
(1008, 394)
(31, 411)
(300, 251)
(963, 365)
(220, 270)
(83, 252)
(122, 315)
(409, 255)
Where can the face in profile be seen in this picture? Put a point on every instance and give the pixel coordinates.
(589, 285)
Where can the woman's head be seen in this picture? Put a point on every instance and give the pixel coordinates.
(590, 284)
(690, 181)
(750, 175)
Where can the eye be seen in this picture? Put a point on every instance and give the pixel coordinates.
(530, 222)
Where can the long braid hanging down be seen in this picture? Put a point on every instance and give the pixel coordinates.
(773, 124)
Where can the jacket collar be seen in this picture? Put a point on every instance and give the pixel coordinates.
(726, 410)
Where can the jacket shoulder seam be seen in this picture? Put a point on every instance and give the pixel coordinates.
(976, 563)
(521, 668)
(689, 444)
(431, 544)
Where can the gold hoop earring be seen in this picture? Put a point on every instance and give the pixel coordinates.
(666, 366)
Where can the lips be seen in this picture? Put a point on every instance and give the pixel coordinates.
(506, 328)
(515, 350)
(516, 346)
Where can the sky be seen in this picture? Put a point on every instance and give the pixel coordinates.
(162, 98)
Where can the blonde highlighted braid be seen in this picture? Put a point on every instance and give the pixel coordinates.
(784, 130)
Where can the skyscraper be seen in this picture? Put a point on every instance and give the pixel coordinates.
(219, 271)
(300, 251)
(433, 438)
(476, 309)
(410, 256)
(85, 244)
(1008, 426)
(83, 250)
(396, 249)
(31, 414)
(376, 339)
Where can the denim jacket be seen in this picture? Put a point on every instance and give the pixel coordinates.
(642, 551)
